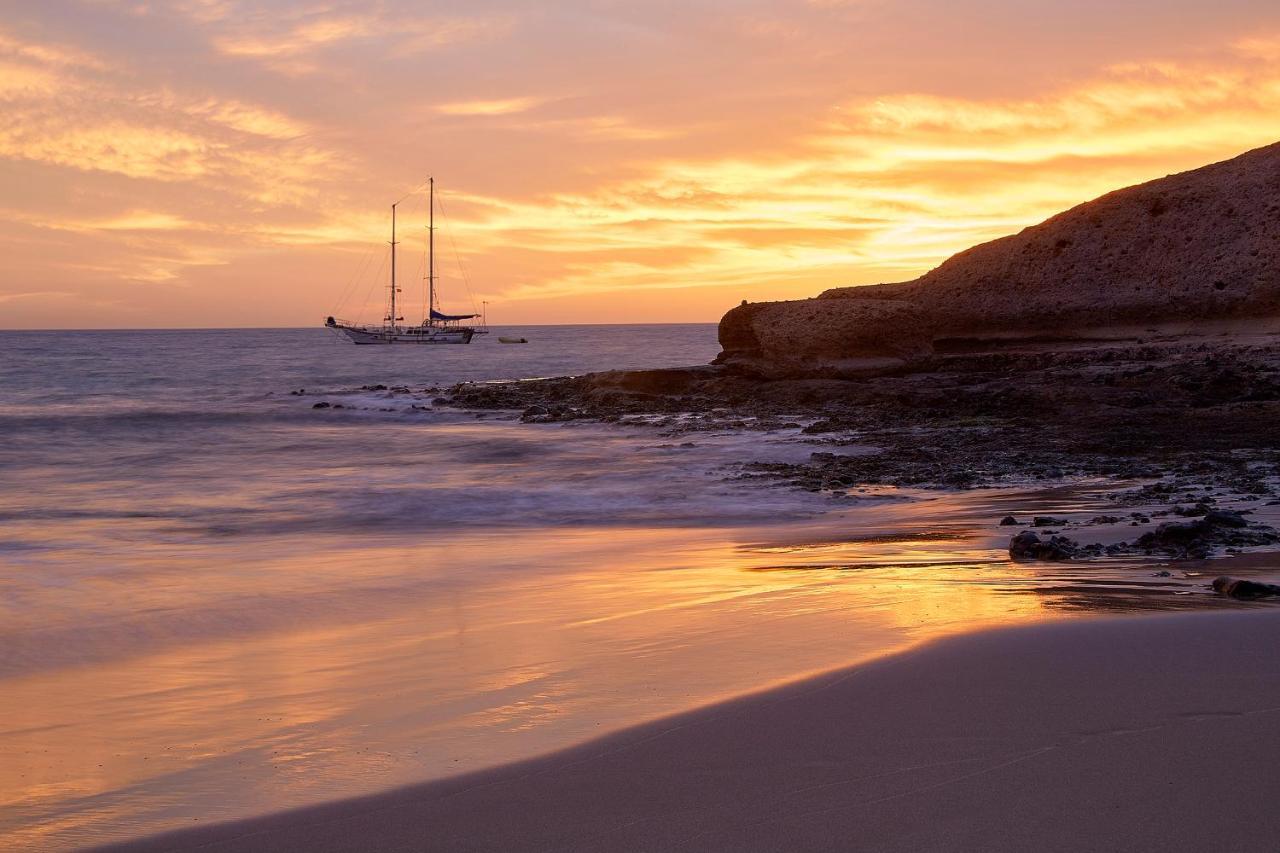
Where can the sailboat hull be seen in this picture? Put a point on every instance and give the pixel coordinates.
(416, 335)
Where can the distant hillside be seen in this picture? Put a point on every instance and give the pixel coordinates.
(1185, 252)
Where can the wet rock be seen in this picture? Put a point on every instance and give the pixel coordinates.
(1173, 533)
(827, 425)
(1246, 589)
(321, 405)
(1008, 521)
(1028, 545)
(1197, 539)
(963, 479)
(1047, 521)
(1226, 518)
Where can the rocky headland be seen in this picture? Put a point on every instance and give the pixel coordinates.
(1197, 252)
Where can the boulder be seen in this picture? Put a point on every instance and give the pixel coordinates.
(1238, 588)
(1028, 545)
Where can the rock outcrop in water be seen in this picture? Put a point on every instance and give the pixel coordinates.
(1194, 251)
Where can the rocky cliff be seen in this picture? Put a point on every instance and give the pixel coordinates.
(1197, 251)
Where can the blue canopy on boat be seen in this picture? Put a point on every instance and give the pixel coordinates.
(436, 315)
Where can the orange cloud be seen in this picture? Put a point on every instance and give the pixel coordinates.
(301, 38)
(288, 44)
(504, 106)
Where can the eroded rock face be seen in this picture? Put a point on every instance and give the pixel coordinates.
(1184, 252)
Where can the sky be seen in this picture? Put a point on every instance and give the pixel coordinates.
(227, 163)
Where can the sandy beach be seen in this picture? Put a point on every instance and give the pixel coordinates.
(1149, 733)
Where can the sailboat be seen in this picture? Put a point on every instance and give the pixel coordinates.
(437, 328)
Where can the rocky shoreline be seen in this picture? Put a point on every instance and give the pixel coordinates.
(1191, 419)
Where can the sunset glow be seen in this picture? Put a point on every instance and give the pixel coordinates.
(224, 163)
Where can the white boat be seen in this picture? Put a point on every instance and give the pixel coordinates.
(437, 328)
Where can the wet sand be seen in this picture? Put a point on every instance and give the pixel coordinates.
(1149, 733)
(268, 675)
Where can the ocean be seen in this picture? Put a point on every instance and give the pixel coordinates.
(217, 600)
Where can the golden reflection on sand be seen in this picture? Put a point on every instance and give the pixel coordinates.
(330, 670)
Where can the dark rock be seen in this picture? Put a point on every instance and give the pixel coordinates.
(1238, 588)
(1172, 533)
(1028, 545)
(1197, 539)
(321, 405)
(1047, 521)
(1225, 518)
(1008, 521)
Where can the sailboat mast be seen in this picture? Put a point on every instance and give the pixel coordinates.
(431, 251)
(392, 316)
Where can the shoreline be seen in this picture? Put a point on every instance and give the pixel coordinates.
(1140, 733)
(1183, 424)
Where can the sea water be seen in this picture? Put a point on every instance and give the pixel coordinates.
(218, 600)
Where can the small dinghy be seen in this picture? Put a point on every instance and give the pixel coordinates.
(509, 340)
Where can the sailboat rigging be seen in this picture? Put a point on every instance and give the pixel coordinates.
(437, 327)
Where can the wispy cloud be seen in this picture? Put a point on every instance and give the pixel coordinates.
(301, 38)
(499, 107)
(35, 294)
(292, 43)
(48, 54)
(65, 112)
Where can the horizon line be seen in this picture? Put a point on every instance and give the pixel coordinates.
(320, 327)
